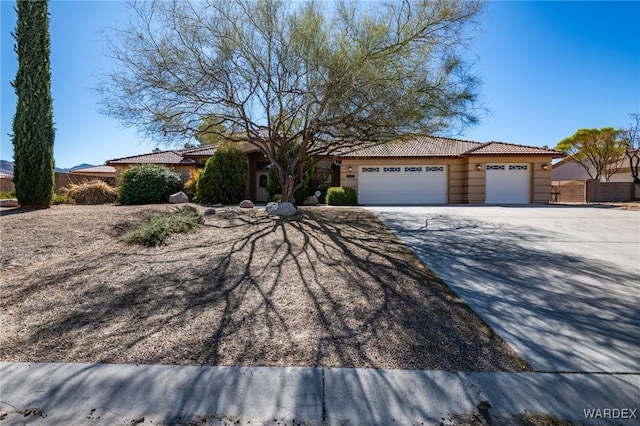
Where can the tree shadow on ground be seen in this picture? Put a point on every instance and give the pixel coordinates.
(328, 288)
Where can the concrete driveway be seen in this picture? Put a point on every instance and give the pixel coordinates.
(560, 284)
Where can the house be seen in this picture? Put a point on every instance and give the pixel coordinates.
(572, 183)
(423, 170)
(434, 170)
(569, 169)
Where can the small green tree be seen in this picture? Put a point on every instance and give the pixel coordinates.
(148, 183)
(33, 131)
(598, 151)
(224, 177)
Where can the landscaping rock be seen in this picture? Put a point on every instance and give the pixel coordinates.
(246, 204)
(311, 200)
(280, 209)
(217, 205)
(209, 212)
(178, 198)
(11, 202)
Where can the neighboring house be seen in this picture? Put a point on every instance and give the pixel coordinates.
(6, 181)
(98, 172)
(425, 170)
(569, 169)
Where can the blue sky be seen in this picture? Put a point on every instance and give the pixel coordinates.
(548, 69)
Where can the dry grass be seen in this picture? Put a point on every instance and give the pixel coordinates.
(93, 192)
(328, 287)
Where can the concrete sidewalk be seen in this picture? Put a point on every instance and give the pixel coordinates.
(104, 394)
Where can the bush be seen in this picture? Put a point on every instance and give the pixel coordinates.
(93, 192)
(224, 177)
(192, 183)
(148, 183)
(157, 228)
(4, 195)
(61, 199)
(341, 196)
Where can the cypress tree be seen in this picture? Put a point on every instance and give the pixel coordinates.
(33, 131)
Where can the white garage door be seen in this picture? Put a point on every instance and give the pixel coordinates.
(508, 184)
(419, 184)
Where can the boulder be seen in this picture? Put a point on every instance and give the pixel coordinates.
(11, 202)
(246, 204)
(280, 209)
(178, 198)
(311, 200)
(209, 212)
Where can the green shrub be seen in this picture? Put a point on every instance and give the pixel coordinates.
(341, 196)
(148, 183)
(157, 228)
(61, 199)
(224, 177)
(4, 195)
(93, 192)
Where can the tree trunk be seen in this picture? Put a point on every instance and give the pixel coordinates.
(288, 189)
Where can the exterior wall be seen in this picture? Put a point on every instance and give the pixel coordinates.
(466, 184)
(570, 170)
(6, 184)
(610, 191)
(571, 191)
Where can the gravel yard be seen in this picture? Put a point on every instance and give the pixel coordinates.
(328, 287)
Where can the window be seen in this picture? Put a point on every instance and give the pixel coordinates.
(413, 169)
(391, 169)
(370, 169)
(434, 169)
(262, 181)
(518, 167)
(495, 167)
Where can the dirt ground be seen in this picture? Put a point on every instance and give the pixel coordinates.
(328, 287)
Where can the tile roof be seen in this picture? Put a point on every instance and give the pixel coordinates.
(158, 157)
(502, 148)
(422, 146)
(426, 146)
(94, 169)
(201, 151)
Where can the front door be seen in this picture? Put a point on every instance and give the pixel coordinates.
(262, 177)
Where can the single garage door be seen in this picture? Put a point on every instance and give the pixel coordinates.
(419, 184)
(508, 184)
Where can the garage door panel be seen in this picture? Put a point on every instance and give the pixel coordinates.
(414, 184)
(508, 184)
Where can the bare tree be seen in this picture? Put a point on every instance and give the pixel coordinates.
(631, 138)
(294, 79)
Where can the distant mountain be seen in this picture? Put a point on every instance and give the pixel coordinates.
(81, 166)
(6, 166)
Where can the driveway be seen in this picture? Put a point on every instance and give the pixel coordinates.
(560, 284)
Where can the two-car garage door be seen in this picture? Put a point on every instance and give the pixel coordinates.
(418, 184)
